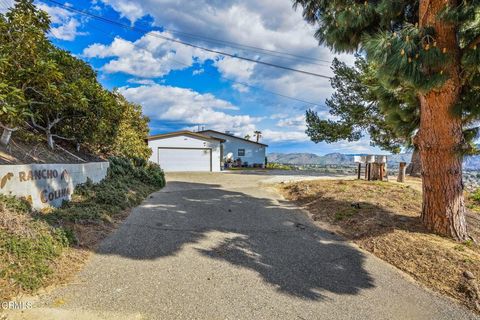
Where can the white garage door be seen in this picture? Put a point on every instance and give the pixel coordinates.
(178, 159)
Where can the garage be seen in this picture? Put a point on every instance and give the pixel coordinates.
(186, 151)
(179, 159)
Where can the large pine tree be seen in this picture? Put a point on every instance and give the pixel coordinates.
(430, 47)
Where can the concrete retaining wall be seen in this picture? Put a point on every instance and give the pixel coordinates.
(46, 185)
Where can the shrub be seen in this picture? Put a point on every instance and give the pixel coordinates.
(475, 196)
(27, 247)
(15, 204)
(279, 166)
(127, 183)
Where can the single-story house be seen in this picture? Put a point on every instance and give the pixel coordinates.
(202, 151)
(249, 152)
(186, 151)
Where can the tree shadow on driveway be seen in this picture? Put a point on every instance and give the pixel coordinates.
(274, 239)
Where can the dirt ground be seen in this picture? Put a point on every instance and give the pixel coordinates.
(383, 218)
(25, 152)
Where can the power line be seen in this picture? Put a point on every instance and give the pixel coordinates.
(247, 48)
(244, 47)
(275, 53)
(222, 77)
(5, 5)
(144, 32)
(209, 73)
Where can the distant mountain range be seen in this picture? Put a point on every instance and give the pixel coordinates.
(470, 163)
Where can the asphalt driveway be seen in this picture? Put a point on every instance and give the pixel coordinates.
(226, 246)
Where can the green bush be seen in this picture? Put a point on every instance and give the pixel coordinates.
(30, 258)
(128, 182)
(279, 166)
(15, 204)
(475, 196)
(28, 246)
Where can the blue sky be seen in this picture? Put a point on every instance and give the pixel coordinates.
(180, 87)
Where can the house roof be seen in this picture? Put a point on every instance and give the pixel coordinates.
(228, 135)
(183, 133)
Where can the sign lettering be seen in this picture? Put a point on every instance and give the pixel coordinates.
(46, 196)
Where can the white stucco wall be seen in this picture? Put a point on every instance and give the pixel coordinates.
(48, 184)
(186, 141)
(254, 153)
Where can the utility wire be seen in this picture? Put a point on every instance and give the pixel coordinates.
(252, 49)
(205, 71)
(214, 75)
(145, 32)
(246, 48)
(5, 5)
(275, 53)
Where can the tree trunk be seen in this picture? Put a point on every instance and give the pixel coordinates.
(401, 172)
(6, 135)
(414, 169)
(440, 136)
(50, 142)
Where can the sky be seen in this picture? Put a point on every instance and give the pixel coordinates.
(183, 88)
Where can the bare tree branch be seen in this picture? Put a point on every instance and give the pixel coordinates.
(71, 154)
(54, 122)
(34, 90)
(63, 138)
(37, 125)
(8, 128)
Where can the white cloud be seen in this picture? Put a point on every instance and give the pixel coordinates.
(151, 56)
(233, 68)
(240, 87)
(272, 25)
(188, 106)
(282, 136)
(148, 82)
(132, 10)
(5, 5)
(293, 122)
(361, 146)
(276, 116)
(198, 71)
(67, 31)
(65, 25)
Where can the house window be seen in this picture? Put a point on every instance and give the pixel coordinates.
(241, 152)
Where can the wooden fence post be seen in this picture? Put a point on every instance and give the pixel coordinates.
(401, 172)
(359, 170)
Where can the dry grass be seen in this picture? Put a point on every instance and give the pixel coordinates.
(383, 218)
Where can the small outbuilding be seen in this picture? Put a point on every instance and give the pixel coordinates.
(186, 151)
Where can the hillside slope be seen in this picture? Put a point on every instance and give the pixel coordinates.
(23, 152)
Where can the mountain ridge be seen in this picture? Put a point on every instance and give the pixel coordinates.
(343, 159)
